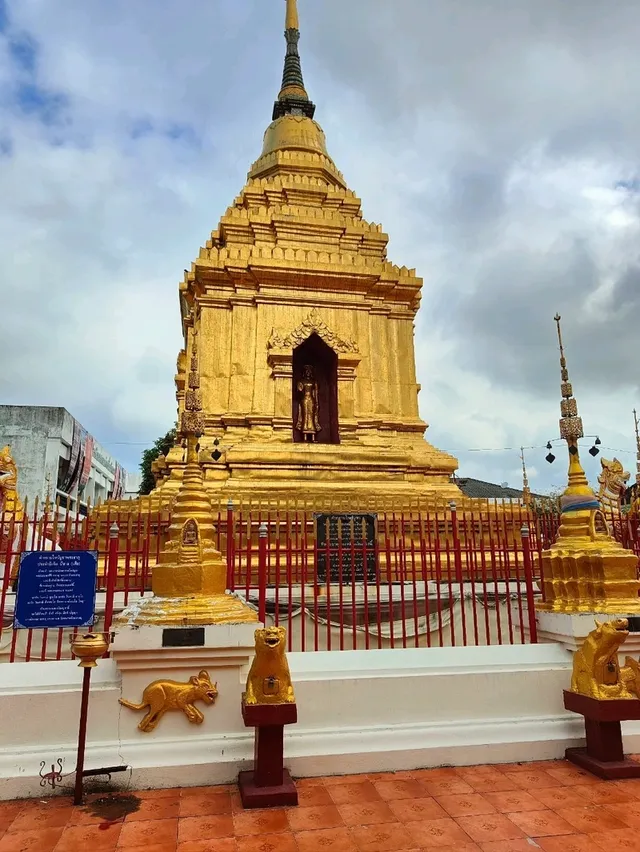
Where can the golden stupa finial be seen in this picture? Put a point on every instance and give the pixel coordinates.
(293, 98)
(192, 421)
(526, 491)
(571, 430)
(635, 494)
(292, 20)
(635, 420)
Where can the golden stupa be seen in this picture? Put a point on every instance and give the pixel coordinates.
(189, 579)
(306, 336)
(585, 570)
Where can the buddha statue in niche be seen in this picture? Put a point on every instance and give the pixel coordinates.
(308, 421)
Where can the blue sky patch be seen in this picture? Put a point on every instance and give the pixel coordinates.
(140, 128)
(33, 100)
(22, 50)
(632, 185)
(182, 133)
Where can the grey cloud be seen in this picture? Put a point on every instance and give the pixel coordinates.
(432, 111)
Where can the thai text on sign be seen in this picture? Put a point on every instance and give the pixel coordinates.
(349, 542)
(56, 589)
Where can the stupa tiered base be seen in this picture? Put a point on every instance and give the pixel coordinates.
(269, 784)
(190, 610)
(604, 753)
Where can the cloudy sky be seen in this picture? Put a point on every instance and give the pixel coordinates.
(496, 140)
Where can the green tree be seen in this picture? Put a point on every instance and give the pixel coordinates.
(160, 448)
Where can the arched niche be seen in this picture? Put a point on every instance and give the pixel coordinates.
(314, 352)
(280, 355)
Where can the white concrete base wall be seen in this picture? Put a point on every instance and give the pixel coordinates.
(359, 711)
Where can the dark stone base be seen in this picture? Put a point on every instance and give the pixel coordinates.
(267, 797)
(610, 770)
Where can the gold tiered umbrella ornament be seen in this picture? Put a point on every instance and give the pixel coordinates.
(585, 570)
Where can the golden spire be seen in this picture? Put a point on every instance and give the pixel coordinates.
(192, 422)
(571, 430)
(635, 420)
(292, 20)
(526, 491)
(293, 98)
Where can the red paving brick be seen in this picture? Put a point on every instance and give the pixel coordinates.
(552, 806)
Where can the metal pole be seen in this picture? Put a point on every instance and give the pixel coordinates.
(112, 573)
(528, 580)
(457, 556)
(82, 736)
(262, 574)
(230, 548)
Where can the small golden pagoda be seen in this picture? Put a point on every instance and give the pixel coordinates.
(189, 580)
(306, 335)
(585, 570)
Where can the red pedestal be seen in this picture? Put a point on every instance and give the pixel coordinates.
(604, 755)
(269, 784)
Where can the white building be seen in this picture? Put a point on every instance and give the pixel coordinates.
(55, 455)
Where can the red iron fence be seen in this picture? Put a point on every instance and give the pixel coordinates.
(419, 579)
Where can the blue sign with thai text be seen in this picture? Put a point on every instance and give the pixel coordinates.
(56, 589)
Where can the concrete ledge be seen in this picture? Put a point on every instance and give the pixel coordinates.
(359, 711)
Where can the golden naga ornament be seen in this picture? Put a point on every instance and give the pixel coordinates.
(9, 501)
(269, 679)
(162, 696)
(613, 484)
(596, 670)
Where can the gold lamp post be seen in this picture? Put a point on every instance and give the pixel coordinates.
(88, 648)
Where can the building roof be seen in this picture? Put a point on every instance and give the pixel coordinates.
(491, 490)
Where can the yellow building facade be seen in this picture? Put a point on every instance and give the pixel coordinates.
(295, 283)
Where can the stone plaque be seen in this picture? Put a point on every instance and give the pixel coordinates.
(351, 543)
(183, 637)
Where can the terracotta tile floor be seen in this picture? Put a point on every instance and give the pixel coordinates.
(517, 808)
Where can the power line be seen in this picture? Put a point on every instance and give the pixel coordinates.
(446, 450)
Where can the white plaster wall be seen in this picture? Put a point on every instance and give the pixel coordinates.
(359, 711)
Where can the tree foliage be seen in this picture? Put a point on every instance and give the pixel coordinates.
(160, 448)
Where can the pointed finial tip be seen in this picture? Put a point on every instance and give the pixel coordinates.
(292, 20)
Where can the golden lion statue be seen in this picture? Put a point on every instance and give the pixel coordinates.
(269, 679)
(164, 695)
(596, 671)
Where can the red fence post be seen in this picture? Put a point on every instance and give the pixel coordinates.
(230, 548)
(528, 581)
(112, 573)
(457, 556)
(262, 573)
